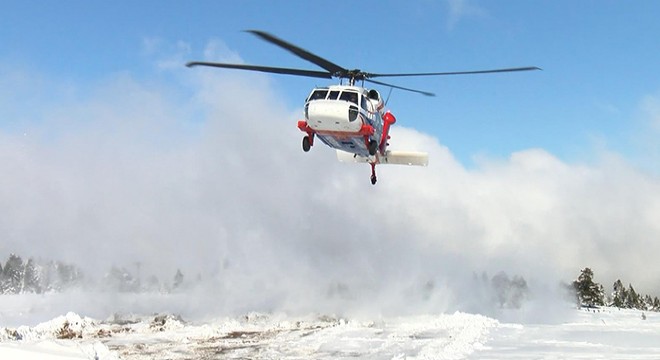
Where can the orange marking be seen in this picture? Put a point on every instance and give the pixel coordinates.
(365, 130)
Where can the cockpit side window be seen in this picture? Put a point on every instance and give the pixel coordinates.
(333, 95)
(364, 103)
(318, 95)
(349, 96)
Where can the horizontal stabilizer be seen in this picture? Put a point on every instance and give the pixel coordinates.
(405, 158)
(390, 157)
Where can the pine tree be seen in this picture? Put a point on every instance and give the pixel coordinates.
(632, 300)
(50, 280)
(32, 278)
(2, 281)
(619, 294)
(656, 304)
(648, 303)
(501, 285)
(519, 291)
(69, 275)
(509, 293)
(13, 273)
(178, 279)
(589, 293)
(120, 279)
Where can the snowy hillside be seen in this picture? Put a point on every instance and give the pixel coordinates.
(609, 333)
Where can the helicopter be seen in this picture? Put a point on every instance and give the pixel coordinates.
(348, 117)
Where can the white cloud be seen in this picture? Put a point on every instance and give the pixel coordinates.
(167, 55)
(646, 129)
(217, 50)
(214, 182)
(650, 106)
(461, 9)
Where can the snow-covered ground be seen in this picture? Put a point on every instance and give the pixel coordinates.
(606, 333)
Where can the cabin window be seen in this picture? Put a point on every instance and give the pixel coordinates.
(333, 95)
(318, 95)
(349, 96)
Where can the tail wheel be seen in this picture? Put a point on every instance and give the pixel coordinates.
(306, 144)
(373, 179)
(373, 147)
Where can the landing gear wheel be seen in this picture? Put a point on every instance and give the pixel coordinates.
(373, 179)
(306, 144)
(373, 147)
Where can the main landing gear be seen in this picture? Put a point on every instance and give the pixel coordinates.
(307, 142)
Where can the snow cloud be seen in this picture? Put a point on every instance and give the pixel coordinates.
(204, 172)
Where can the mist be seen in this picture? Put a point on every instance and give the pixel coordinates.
(204, 173)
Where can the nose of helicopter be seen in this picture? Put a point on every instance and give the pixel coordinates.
(329, 115)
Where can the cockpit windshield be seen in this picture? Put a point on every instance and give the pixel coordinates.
(349, 96)
(333, 95)
(318, 94)
(321, 94)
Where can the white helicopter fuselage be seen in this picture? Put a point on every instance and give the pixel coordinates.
(347, 118)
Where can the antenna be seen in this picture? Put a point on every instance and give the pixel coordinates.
(388, 96)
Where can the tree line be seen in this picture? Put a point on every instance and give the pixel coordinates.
(589, 293)
(42, 276)
(18, 276)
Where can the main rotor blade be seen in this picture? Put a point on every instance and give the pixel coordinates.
(369, 75)
(266, 69)
(400, 87)
(333, 68)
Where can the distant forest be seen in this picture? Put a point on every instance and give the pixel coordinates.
(40, 276)
(43, 276)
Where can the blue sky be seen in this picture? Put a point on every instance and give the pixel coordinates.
(599, 59)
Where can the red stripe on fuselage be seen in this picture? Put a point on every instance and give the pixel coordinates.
(365, 130)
